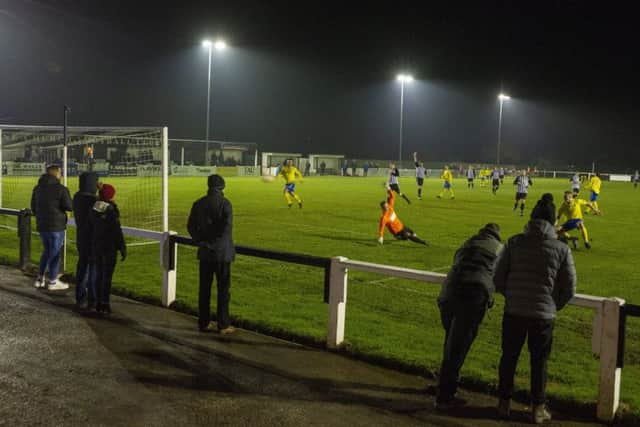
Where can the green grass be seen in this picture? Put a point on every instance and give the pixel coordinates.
(391, 320)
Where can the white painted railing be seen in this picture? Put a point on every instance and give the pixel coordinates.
(168, 274)
(606, 322)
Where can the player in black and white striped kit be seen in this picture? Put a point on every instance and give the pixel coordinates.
(420, 174)
(471, 174)
(394, 173)
(495, 181)
(522, 183)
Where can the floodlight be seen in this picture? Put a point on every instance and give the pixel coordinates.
(503, 97)
(207, 43)
(220, 45)
(405, 78)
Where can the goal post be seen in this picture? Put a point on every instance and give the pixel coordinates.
(133, 159)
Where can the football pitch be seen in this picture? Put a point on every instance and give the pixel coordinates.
(391, 320)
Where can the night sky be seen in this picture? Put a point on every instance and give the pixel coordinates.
(320, 76)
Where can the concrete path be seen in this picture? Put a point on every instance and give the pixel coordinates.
(148, 366)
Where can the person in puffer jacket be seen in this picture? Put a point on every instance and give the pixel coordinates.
(50, 202)
(466, 294)
(107, 240)
(537, 277)
(83, 202)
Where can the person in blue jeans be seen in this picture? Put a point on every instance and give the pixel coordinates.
(83, 202)
(50, 202)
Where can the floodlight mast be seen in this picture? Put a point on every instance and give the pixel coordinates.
(219, 45)
(402, 78)
(501, 97)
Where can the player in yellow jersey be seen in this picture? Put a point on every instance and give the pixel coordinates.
(447, 177)
(484, 177)
(290, 173)
(594, 183)
(571, 210)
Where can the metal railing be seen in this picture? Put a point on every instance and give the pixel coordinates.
(23, 227)
(308, 260)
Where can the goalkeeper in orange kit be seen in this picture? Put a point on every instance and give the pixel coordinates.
(390, 220)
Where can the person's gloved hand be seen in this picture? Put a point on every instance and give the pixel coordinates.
(123, 252)
(381, 240)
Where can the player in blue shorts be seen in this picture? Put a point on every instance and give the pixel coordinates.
(571, 210)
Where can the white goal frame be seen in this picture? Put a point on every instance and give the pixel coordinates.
(116, 131)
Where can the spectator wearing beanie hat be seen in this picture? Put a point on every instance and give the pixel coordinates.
(545, 209)
(107, 240)
(537, 277)
(210, 225)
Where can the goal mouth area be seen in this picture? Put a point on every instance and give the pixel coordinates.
(132, 159)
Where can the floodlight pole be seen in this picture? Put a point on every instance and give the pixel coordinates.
(499, 132)
(65, 163)
(65, 181)
(401, 120)
(206, 149)
(501, 97)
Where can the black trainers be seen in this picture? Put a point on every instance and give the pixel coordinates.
(103, 308)
(446, 404)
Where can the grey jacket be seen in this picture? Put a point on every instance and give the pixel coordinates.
(535, 273)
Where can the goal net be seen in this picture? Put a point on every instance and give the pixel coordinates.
(130, 159)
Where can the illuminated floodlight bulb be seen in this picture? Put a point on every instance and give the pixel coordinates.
(404, 78)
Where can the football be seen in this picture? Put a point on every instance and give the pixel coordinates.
(268, 178)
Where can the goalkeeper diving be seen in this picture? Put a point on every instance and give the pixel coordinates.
(390, 220)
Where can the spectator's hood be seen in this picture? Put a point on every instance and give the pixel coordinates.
(89, 182)
(47, 179)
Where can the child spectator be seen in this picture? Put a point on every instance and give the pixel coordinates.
(107, 240)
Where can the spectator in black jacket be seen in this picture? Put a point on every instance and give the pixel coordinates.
(537, 277)
(210, 225)
(466, 294)
(83, 202)
(50, 202)
(106, 240)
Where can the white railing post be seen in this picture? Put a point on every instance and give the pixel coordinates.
(337, 302)
(610, 373)
(169, 263)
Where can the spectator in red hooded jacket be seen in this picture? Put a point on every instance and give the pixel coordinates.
(107, 240)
